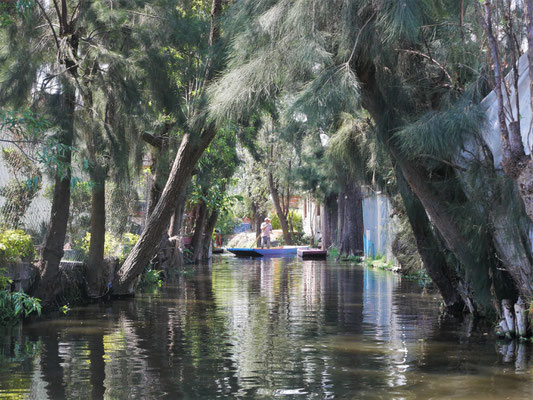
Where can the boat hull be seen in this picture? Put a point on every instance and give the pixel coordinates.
(273, 252)
(312, 254)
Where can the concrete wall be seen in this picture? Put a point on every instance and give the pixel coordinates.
(379, 226)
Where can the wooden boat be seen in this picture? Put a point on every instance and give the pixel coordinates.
(218, 250)
(272, 252)
(312, 254)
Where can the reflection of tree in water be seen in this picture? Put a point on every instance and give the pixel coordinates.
(184, 341)
(264, 328)
(16, 361)
(278, 328)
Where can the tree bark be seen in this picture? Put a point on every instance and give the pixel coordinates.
(329, 221)
(52, 249)
(324, 227)
(208, 234)
(341, 207)
(257, 219)
(159, 167)
(441, 273)
(198, 236)
(189, 152)
(176, 221)
(352, 236)
(96, 274)
(279, 211)
(170, 253)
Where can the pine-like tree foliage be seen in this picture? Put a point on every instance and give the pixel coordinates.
(281, 46)
(415, 61)
(441, 133)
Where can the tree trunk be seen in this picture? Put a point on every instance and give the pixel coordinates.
(189, 152)
(421, 205)
(198, 236)
(96, 274)
(208, 234)
(329, 221)
(279, 211)
(52, 249)
(160, 171)
(169, 252)
(176, 221)
(438, 269)
(324, 227)
(341, 207)
(352, 236)
(257, 219)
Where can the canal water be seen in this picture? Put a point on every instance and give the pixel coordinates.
(273, 328)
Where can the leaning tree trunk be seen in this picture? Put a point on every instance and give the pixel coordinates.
(352, 236)
(96, 274)
(52, 249)
(189, 152)
(169, 253)
(443, 221)
(277, 204)
(441, 273)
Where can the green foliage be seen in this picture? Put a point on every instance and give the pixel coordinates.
(33, 132)
(119, 247)
(301, 239)
(15, 305)
(5, 281)
(296, 217)
(333, 253)
(227, 222)
(151, 278)
(441, 133)
(64, 309)
(16, 245)
(379, 262)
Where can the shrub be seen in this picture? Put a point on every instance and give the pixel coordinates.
(151, 277)
(16, 245)
(297, 221)
(14, 305)
(113, 246)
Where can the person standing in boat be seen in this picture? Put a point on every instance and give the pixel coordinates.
(266, 231)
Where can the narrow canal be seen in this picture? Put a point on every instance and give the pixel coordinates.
(273, 328)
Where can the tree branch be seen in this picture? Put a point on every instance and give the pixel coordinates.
(429, 58)
(49, 23)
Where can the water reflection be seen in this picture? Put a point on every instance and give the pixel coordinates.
(264, 329)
